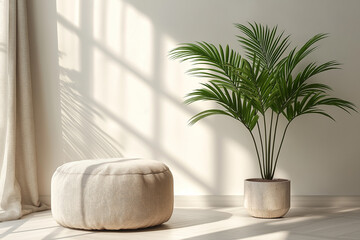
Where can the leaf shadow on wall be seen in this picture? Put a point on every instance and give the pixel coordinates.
(83, 139)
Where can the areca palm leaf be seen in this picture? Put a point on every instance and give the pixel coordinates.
(312, 102)
(234, 104)
(218, 62)
(224, 83)
(257, 84)
(263, 42)
(296, 56)
(207, 113)
(290, 88)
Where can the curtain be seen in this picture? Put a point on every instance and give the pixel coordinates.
(18, 177)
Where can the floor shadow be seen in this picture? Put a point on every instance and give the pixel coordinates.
(182, 218)
(296, 225)
(208, 224)
(12, 226)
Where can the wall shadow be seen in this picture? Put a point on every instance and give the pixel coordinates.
(311, 141)
(83, 136)
(182, 218)
(83, 139)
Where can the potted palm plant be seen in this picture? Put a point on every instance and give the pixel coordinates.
(257, 90)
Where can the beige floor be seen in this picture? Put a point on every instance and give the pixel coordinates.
(207, 224)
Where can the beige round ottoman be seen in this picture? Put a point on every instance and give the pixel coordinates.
(112, 194)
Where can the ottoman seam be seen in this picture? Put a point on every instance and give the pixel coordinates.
(124, 174)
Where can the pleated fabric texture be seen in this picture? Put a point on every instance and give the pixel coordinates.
(18, 175)
(112, 194)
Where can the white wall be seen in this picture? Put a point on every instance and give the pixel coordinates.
(104, 87)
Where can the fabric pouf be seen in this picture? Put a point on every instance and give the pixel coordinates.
(112, 194)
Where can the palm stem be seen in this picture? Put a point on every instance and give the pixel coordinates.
(269, 143)
(257, 153)
(274, 139)
(262, 145)
(281, 143)
(266, 156)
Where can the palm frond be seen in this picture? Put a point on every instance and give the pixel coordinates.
(232, 102)
(207, 113)
(312, 102)
(263, 42)
(296, 56)
(218, 62)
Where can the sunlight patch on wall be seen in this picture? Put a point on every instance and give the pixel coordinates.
(122, 66)
(109, 24)
(172, 72)
(69, 10)
(188, 159)
(199, 157)
(175, 80)
(139, 108)
(108, 84)
(87, 129)
(119, 90)
(138, 41)
(69, 48)
(172, 137)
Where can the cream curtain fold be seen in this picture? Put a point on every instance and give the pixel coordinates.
(18, 176)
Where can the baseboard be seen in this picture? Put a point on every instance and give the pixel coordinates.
(201, 201)
(237, 201)
(325, 201)
(208, 201)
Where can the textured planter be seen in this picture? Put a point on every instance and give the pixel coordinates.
(267, 198)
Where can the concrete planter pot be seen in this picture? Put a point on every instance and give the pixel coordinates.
(267, 198)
